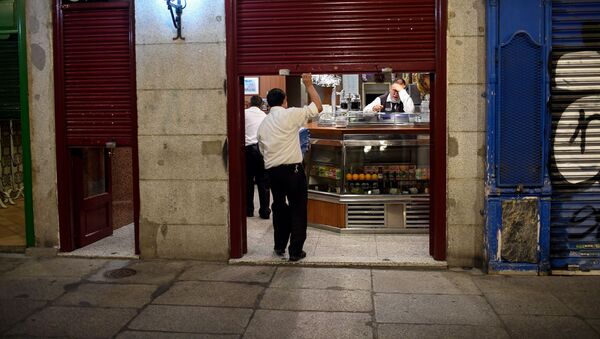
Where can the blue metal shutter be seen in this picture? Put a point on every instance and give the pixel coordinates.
(575, 153)
(521, 105)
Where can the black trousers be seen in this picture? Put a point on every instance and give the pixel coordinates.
(288, 182)
(256, 173)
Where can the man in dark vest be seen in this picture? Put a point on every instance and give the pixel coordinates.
(396, 100)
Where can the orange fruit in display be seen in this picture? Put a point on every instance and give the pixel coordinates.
(355, 176)
(361, 176)
(349, 176)
(368, 176)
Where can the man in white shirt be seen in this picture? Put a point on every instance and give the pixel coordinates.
(279, 143)
(397, 99)
(255, 165)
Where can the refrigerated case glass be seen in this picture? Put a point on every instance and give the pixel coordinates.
(370, 165)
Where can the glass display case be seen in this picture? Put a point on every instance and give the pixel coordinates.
(382, 180)
(370, 165)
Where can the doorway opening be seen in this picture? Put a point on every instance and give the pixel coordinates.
(367, 172)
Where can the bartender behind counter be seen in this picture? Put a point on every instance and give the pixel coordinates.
(397, 99)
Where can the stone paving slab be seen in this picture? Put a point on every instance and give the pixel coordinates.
(15, 310)
(322, 278)
(421, 282)
(409, 331)
(548, 327)
(595, 323)
(82, 322)
(292, 325)
(152, 272)
(508, 284)
(580, 303)
(108, 295)
(34, 288)
(8, 264)
(209, 293)
(434, 309)
(317, 300)
(530, 302)
(199, 271)
(192, 319)
(57, 267)
(166, 335)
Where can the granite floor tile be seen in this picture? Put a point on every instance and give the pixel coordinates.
(508, 284)
(9, 264)
(580, 303)
(209, 293)
(548, 327)
(201, 271)
(322, 278)
(530, 302)
(409, 331)
(165, 335)
(15, 310)
(46, 288)
(347, 251)
(108, 295)
(192, 319)
(317, 300)
(74, 322)
(595, 323)
(421, 282)
(57, 267)
(152, 272)
(292, 325)
(434, 309)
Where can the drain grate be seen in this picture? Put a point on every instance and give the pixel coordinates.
(120, 273)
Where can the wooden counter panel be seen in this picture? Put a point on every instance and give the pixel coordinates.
(326, 213)
(319, 131)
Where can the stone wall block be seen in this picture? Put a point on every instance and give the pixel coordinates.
(464, 159)
(184, 202)
(182, 157)
(182, 112)
(193, 241)
(203, 21)
(466, 60)
(181, 66)
(466, 17)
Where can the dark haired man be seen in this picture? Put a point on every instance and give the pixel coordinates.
(279, 143)
(397, 99)
(255, 165)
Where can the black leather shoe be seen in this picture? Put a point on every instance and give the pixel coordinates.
(279, 253)
(302, 255)
(265, 216)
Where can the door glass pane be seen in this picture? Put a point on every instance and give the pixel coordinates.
(94, 172)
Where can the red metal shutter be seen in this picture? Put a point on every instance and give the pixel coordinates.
(345, 36)
(98, 78)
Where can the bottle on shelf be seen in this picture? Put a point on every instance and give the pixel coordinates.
(380, 180)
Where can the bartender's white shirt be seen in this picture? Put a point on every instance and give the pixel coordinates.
(409, 105)
(278, 137)
(253, 117)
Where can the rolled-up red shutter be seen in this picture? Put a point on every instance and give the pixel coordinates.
(97, 73)
(350, 35)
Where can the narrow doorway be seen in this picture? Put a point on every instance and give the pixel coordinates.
(96, 128)
(351, 218)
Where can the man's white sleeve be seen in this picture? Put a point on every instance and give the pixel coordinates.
(409, 105)
(369, 107)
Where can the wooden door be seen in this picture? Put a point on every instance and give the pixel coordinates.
(91, 185)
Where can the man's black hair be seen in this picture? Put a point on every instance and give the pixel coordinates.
(256, 100)
(275, 97)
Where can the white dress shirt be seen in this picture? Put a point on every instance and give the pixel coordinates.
(278, 137)
(409, 105)
(253, 118)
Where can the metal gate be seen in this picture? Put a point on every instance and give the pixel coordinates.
(575, 162)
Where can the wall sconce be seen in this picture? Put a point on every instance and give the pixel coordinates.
(177, 16)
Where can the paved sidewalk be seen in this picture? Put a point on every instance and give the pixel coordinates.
(70, 297)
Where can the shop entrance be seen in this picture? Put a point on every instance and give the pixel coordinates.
(368, 172)
(96, 133)
(365, 37)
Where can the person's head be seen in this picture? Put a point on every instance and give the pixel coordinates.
(256, 100)
(396, 87)
(276, 97)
